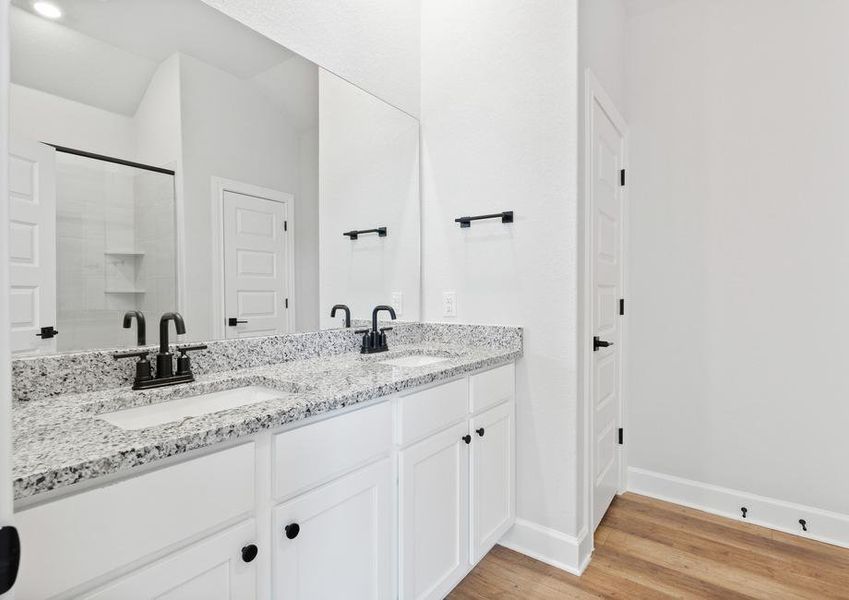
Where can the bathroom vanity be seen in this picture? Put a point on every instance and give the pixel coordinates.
(342, 476)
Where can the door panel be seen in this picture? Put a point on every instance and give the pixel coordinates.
(255, 265)
(434, 514)
(211, 569)
(32, 245)
(607, 288)
(343, 547)
(492, 476)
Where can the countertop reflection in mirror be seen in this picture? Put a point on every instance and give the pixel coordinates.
(213, 173)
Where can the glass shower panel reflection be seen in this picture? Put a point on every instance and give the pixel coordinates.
(116, 251)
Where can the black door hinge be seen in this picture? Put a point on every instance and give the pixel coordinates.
(285, 225)
(622, 177)
(621, 306)
(621, 436)
(287, 303)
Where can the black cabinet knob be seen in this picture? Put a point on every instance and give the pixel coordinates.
(480, 431)
(292, 530)
(467, 438)
(233, 322)
(249, 552)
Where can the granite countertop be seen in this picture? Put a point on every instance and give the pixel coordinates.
(61, 441)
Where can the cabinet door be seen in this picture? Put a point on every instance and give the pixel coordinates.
(212, 569)
(493, 467)
(434, 514)
(336, 541)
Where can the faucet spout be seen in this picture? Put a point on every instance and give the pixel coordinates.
(141, 335)
(347, 313)
(179, 325)
(378, 309)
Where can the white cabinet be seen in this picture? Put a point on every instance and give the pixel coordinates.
(333, 509)
(493, 468)
(336, 541)
(434, 499)
(213, 569)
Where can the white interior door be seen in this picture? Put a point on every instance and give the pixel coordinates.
(256, 264)
(607, 282)
(32, 245)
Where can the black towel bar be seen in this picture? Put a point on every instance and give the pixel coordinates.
(506, 217)
(380, 231)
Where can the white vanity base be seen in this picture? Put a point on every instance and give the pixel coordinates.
(398, 499)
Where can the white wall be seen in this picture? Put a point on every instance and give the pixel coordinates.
(371, 43)
(368, 178)
(499, 122)
(44, 117)
(740, 245)
(229, 130)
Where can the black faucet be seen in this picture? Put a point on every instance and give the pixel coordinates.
(347, 313)
(141, 336)
(164, 359)
(375, 340)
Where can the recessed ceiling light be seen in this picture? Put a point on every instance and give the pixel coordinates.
(47, 10)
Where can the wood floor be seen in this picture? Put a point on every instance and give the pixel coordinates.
(651, 549)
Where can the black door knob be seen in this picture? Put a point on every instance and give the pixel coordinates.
(480, 431)
(249, 552)
(292, 530)
(233, 321)
(467, 438)
(600, 343)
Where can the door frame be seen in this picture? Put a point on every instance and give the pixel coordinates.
(219, 186)
(595, 94)
(6, 497)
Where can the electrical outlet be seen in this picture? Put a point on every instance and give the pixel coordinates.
(449, 304)
(398, 303)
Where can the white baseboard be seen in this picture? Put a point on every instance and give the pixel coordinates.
(566, 552)
(824, 526)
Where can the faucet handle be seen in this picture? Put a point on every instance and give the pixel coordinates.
(131, 354)
(191, 348)
(143, 372)
(382, 329)
(184, 365)
(361, 331)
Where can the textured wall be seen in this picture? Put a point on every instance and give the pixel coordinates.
(371, 43)
(499, 122)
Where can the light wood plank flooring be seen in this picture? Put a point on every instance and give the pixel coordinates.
(651, 549)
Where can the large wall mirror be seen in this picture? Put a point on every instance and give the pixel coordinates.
(165, 157)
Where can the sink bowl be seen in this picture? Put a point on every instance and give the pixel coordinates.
(414, 360)
(169, 411)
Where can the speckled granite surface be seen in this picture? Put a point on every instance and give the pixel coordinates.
(39, 377)
(59, 439)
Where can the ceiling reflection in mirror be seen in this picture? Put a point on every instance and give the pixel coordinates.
(165, 157)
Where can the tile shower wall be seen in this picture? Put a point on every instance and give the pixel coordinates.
(115, 246)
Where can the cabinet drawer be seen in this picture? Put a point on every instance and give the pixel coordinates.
(432, 410)
(311, 455)
(76, 539)
(492, 387)
(209, 569)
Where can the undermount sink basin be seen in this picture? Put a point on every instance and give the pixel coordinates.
(194, 406)
(412, 361)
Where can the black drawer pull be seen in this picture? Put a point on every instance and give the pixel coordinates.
(292, 530)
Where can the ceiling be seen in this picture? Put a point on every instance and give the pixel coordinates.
(104, 52)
